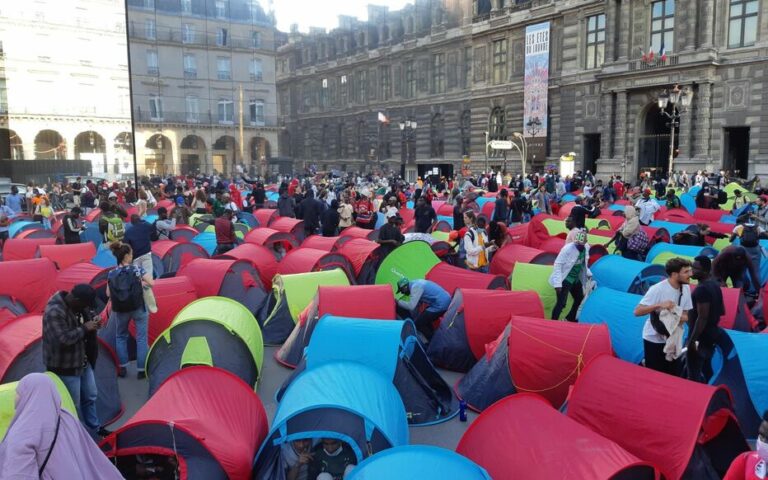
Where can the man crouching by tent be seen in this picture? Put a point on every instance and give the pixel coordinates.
(432, 295)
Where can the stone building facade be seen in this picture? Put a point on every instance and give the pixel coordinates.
(456, 69)
(64, 83)
(203, 78)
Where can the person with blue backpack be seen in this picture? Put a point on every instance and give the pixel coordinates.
(125, 288)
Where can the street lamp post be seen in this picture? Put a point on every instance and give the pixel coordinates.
(524, 151)
(674, 97)
(408, 132)
(533, 126)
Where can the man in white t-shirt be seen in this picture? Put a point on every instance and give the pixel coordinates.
(647, 207)
(665, 295)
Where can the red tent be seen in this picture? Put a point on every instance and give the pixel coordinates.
(475, 318)
(183, 233)
(208, 416)
(552, 245)
(168, 204)
(305, 260)
(523, 437)
(261, 257)
(362, 255)
(88, 273)
(357, 232)
(658, 417)
(171, 256)
(565, 209)
(171, 294)
(31, 282)
(709, 215)
(39, 233)
(319, 242)
(445, 210)
(268, 237)
(519, 234)
(487, 210)
(451, 278)
(357, 301)
(265, 216)
(292, 226)
(503, 261)
(65, 255)
(92, 216)
(676, 215)
(23, 248)
(235, 279)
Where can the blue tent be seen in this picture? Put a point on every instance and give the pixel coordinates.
(391, 348)
(273, 196)
(740, 364)
(671, 227)
(615, 207)
(682, 250)
(248, 219)
(91, 234)
(207, 240)
(104, 257)
(150, 217)
(569, 197)
(688, 200)
(17, 227)
(418, 462)
(447, 219)
(625, 275)
(343, 400)
(483, 200)
(381, 219)
(616, 309)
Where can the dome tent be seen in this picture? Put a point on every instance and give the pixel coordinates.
(24, 249)
(616, 310)
(260, 257)
(625, 275)
(218, 445)
(29, 282)
(292, 294)
(343, 400)
(319, 242)
(535, 278)
(183, 234)
(304, 259)
(87, 273)
(417, 462)
(474, 318)
(504, 260)
(265, 216)
(360, 301)
(169, 256)
(291, 226)
(21, 352)
(65, 255)
(533, 355)
(392, 349)
(214, 331)
(522, 436)
(364, 256)
(268, 237)
(739, 365)
(695, 432)
(235, 279)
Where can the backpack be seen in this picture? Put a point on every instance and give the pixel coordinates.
(722, 197)
(639, 241)
(749, 236)
(155, 235)
(115, 228)
(125, 290)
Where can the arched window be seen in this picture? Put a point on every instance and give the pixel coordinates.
(437, 136)
(497, 128)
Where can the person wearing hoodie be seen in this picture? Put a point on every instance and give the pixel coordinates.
(286, 205)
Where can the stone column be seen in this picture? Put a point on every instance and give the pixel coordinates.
(611, 17)
(620, 143)
(702, 123)
(624, 12)
(707, 24)
(690, 27)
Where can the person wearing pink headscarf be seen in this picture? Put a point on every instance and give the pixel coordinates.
(234, 193)
(46, 442)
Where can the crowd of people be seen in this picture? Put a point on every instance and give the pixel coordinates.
(328, 204)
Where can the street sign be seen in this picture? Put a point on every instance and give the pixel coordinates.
(501, 144)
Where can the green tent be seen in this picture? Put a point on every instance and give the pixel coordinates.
(215, 331)
(555, 227)
(730, 188)
(8, 401)
(240, 230)
(293, 293)
(530, 277)
(412, 260)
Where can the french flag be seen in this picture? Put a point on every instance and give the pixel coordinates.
(663, 52)
(650, 53)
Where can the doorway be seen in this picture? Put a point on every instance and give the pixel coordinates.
(736, 151)
(591, 151)
(653, 142)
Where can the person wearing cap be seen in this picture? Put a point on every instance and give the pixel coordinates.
(70, 348)
(390, 236)
(570, 274)
(431, 295)
(647, 207)
(225, 232)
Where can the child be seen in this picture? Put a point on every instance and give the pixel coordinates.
(46, 212)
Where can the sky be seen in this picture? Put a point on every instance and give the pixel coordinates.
(324, 13)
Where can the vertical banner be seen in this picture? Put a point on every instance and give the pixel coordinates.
(536, 89)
